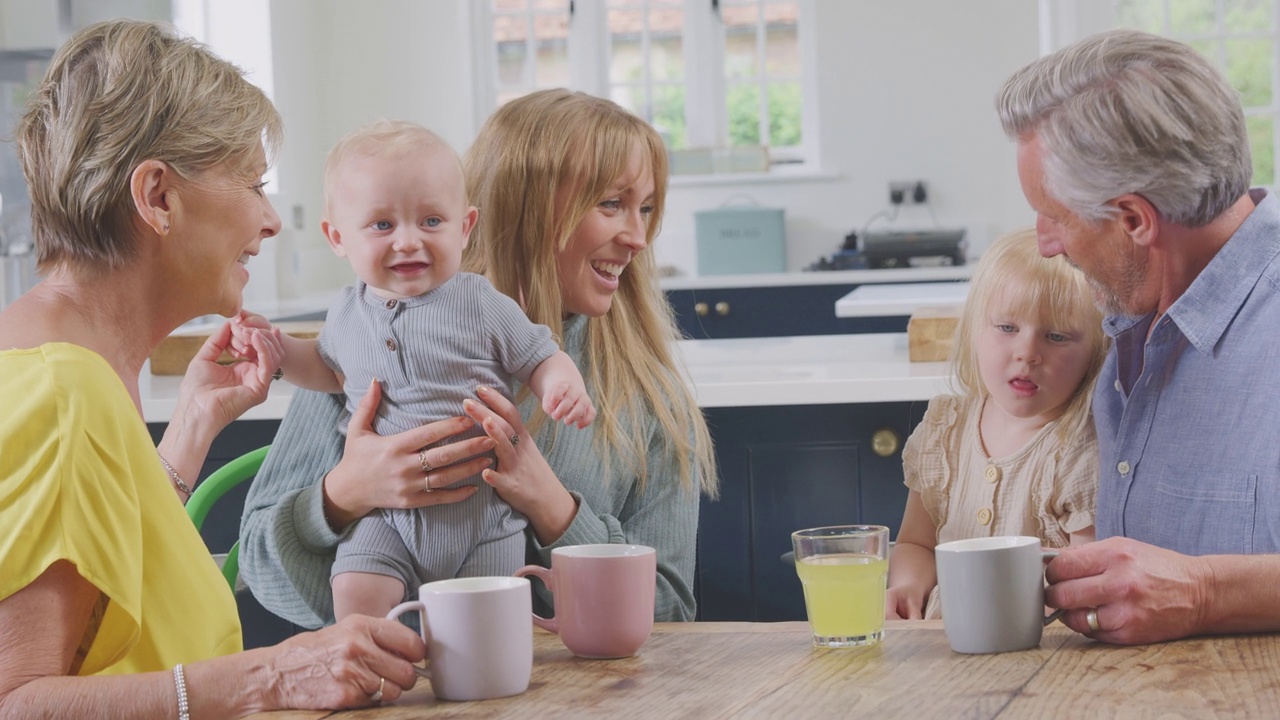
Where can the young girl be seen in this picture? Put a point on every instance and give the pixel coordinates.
(1014, 453)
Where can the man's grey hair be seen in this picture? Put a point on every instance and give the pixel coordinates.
(1129, 112)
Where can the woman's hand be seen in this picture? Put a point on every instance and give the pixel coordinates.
(523, 478)
(221, 393)
(345, 665)
(211, 396)
(393, 472)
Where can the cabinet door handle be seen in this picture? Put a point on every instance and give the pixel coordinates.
(884, 442)
(700, 309)
(722, 308)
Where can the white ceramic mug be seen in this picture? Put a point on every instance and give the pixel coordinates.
(479, 636)
(992, 592)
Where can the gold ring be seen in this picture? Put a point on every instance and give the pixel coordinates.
(515, 440)
(426, 483)
(1092, 619)
(422, 458)
(377, 694)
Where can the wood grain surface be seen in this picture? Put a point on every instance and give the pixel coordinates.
(762, 670)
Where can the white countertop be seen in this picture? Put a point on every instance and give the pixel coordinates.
(831, 277)
(903, 299)
(805, 370)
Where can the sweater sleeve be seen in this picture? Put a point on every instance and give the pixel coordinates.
(286, 544)
(661, 514)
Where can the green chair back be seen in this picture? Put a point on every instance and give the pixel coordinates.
(213, 488)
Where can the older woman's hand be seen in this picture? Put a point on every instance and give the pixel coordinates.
(394, 471)
(523, 478)
(345, 665)
(222, 393)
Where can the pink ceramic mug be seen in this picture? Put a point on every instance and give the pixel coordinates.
(603, 597)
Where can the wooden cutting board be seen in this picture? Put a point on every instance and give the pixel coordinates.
(931, 332)
(174, 353)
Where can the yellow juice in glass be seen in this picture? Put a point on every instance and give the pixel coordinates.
(844, 596)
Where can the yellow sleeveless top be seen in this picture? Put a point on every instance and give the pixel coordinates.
(80, 481)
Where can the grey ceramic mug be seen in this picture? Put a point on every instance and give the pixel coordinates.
(992, 592)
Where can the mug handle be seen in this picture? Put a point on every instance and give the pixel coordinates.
(1046, 556)
(543, 574)
(405, 607)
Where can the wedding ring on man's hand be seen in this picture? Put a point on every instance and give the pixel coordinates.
(279, 373)
(426, 466)
(1092, 619)
(377, 694)
(515, 440)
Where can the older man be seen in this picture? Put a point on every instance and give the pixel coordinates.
(1134, 154)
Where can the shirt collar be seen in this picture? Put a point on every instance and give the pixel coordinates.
(1205, 311)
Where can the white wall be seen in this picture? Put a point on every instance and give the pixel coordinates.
(905, 93)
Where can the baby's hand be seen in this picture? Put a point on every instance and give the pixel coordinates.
(568, 403)
(244, 328)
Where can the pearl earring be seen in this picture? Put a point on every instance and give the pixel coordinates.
(166, 228)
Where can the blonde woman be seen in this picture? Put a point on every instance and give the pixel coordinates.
(144, 155)
(1014, 451)
(570, 191)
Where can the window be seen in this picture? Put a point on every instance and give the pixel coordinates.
(239, 31)
(1239, 36)
(706, 73)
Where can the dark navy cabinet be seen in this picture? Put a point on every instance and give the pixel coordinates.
(222, 528)
(751, 312)
(782, 469)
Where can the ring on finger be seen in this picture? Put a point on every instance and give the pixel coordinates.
(376, 695)
(426, 483)
(1091, 618)
(422, 458)
(515, 439)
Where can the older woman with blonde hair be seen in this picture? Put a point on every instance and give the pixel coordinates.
(570, 190)
(144, 155)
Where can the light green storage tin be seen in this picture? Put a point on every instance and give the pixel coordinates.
(736, 240)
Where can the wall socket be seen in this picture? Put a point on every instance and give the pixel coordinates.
(908, 192)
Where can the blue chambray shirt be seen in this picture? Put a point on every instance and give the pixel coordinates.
(1189, 420)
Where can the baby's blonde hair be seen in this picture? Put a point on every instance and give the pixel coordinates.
(385, 138)
(1047, 290)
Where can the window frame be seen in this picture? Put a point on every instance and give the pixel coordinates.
(703, 47)
(1063, 23)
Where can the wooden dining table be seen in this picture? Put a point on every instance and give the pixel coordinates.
(771, 670)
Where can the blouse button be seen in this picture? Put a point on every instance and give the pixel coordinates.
(984, 516)
(391, 304)
(992, 473)
(1122, 467)
(391, 344)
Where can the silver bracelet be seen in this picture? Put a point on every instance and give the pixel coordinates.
(173, 475)
(180, 682)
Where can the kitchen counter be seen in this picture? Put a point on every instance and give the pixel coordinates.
(899, 299)
(831, 277)
(805, 370)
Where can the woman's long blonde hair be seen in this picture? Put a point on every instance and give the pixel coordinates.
(539, 165)
(1051, 292)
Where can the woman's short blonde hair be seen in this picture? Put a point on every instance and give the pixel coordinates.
(1013, 274)
(540, 164)
(116, 94)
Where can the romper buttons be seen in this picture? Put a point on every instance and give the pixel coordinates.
(391, 344)
(391, 304)
(1123, 467)
(984, 516)
(992, 473)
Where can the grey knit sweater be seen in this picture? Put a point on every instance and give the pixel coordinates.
(287, 546)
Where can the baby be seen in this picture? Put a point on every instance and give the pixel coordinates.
(396, 208)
